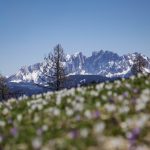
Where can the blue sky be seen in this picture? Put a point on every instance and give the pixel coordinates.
(29, 29)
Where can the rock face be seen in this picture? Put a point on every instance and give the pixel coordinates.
(103, 63)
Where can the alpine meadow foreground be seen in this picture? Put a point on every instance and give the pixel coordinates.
(107, 116)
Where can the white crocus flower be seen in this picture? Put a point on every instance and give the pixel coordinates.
(124, 109)
(44, 127)
(110, 107)
(5, 111)
(56, 111)
(36, 143)
(84, 132)
(88, 114)
(99, 127)
(19, 117)
(2, 123)
(69, 111)
(97, 104)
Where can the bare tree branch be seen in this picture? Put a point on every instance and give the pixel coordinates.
(139, 64)
(53, 72)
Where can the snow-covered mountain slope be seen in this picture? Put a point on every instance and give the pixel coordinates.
(104, 63)
(27, 74)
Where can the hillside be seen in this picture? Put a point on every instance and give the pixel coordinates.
(107, 116)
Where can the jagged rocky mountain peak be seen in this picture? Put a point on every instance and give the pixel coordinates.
(104, 63)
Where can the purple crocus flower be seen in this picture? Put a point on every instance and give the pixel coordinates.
(14, 132)
(133, 137)
(111, 101)
(96, 114)
(1, 138)
(39, 131)
(78, 118)
(125, 94)
(135, 90)
(133, 101)
(10, 121)
(73, 134)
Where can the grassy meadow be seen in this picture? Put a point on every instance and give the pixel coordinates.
(107, 116)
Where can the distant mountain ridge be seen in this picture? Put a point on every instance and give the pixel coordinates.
(103, 63)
